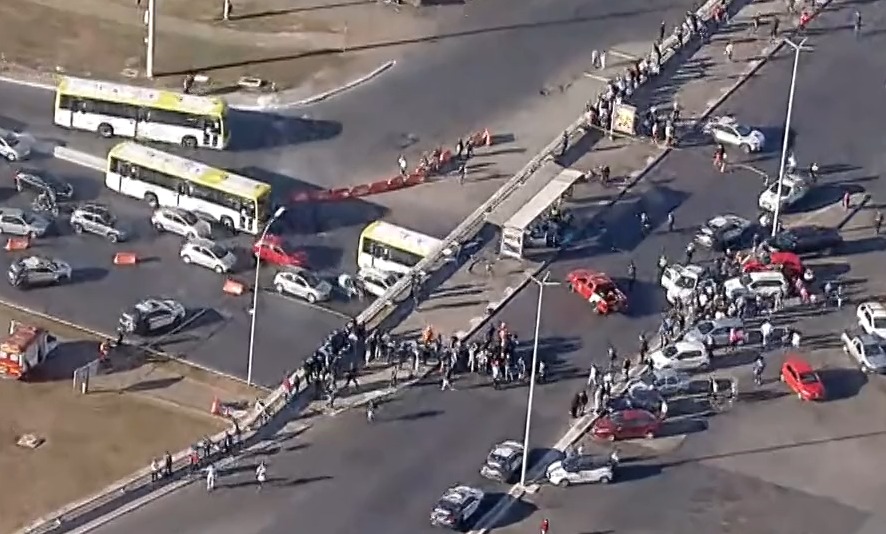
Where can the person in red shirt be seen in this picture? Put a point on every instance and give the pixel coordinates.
(545, 525)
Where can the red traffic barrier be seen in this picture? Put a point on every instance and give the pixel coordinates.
(381, 186)
(341, 193)
(361, 190)
(301, 196)
(414, 179)
(396, 183)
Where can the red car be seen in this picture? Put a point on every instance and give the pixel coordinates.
(802, 378)
(626, 424)
(276, 251)
(598, 289)
(788, 262)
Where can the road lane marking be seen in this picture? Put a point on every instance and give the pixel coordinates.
(623, 55)
(597, 77)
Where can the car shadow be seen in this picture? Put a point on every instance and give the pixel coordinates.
(514, 510)
(635, 471)
(262, 130)
(842, 383)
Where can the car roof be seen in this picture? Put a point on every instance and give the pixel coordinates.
(506, 448)
(457, 494)
(12, 211)
(686, 345)
(728, 218)
(727, 321)
(767, 274)
(150, 304)
(799, 364)
(36, 261)
(877, 309)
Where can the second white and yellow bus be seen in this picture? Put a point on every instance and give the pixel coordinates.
(113, 109)
(162, 179)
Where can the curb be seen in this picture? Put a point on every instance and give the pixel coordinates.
(318, 97)
(245, 107)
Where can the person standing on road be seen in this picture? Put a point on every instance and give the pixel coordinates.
(795, 339)
(729, 50)
(662, 29)
(626, 369)
(602, 60)
(593, 375)
(155, 470)
(847, 203)
(462, 172)
(564, 146)
(773, 31)
(446, 381)
(261, 474)
(210, 478)
(402, 164)
(644, 348)
(459, 148)
(690, 252)
(878, 222)
(671, 221)
(545, 525)
(766, 331)
(856, 23)
(669, 133)
(645, 226)
(632, 275)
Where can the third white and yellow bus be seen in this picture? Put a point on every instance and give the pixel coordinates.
(113, 109)
(387, 247)
(162, 179)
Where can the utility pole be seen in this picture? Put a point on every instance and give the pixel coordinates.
(150, 18)
(541, 283)
(787, 129)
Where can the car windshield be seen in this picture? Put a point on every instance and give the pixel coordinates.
(11, 139)
(808, 378)
(745, 279)
(879, 323)
(872, 349)
(496, 459)
(218, 251)
(310, 279)
(29, 218)
(670, 351)
(743, 130)
(685, 282)
(705, 328)
(189, 217)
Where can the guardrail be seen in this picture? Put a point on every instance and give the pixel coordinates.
(80, 158)
(375, 313)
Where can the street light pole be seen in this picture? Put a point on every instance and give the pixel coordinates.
(532, 371)
(280, 211)
(150, 14)
(787, 129)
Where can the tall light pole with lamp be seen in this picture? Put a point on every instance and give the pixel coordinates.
(787, 129)
(541, 283)
(255, 290)
(150, 18)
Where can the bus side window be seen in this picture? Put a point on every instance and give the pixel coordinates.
(83, 106)
(143, 115)
(64, 102)
(183, 189)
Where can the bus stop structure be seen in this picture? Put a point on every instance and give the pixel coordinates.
(515, 217)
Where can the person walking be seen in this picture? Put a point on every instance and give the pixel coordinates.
(878, 222)
(402, 164)
(632, 275)
(729, 50)
(671, 221)
(155, 470)
(766, 331)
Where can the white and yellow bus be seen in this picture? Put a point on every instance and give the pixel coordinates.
(113, 109)
(387, 247)
(162, 179)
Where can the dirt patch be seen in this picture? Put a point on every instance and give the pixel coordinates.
(92, 440)
(49, 40)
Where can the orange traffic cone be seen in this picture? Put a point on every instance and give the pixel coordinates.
(215, 409)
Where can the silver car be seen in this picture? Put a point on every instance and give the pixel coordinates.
(22, 222)
(14, 147)
(97, 219)
(180, 222)
(717, 329)
(668, 382)
(209, 254)
(38, 271)
(302, 283)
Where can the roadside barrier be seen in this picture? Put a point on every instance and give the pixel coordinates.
(14, 244)
(233, 287)
(125, 258)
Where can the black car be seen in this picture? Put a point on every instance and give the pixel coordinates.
(43, 182)
(724, 231)
(802, 239)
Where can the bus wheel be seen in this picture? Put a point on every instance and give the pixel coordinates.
(105, 130)
(152, 201)
(228, 223)
(189, 142)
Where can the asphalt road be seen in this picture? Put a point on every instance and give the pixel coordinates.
(438, 91)
(216, 332)
(339, 479)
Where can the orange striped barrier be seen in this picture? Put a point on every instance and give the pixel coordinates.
(379, 187)
(17, 243)
(341, 193)
(396, 183)
(215, 408)
(233, 287)
(125, 258)
(445, 157)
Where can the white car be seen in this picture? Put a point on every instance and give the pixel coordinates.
(766, 284)
(13, 146)
(666, 381)
(376, 282)
(302, 283)
(793, 189)
(580, 470)
(209, 254)
(680, 281)
(682, 356)
(456, 507)
(866, 351)
(872, 318)
(728, 131)
(180, 222)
